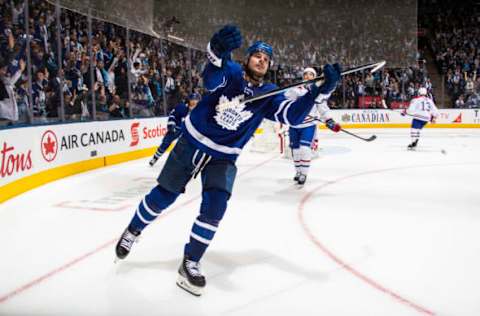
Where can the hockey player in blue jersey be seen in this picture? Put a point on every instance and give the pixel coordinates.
(212, 139)
(174, 124)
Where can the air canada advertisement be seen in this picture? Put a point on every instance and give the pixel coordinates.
(26, 151)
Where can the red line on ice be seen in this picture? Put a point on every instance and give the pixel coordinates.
(342, 263)
(46, 276)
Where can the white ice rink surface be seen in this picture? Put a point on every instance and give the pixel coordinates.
(377, 230)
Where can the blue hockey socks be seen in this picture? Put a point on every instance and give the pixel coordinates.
(150, 207)
(214, 204)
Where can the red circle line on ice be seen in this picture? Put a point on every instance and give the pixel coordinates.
(339, 261)
(107, 245)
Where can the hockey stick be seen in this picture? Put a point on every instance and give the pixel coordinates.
(404, 113)
(373, 66)
(368, 139)
(385, 107)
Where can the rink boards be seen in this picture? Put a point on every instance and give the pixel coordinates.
(32, 156)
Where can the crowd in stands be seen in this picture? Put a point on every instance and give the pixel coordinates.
(306, 33)
(394, 86)
(455, 42)
(162, 72)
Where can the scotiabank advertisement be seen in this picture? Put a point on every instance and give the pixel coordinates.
(26, 151)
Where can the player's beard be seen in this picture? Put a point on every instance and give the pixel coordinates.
(254, 74)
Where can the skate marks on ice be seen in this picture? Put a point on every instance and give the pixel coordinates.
(333, 150)
(225, 264)
(118, 199)
(268, 288)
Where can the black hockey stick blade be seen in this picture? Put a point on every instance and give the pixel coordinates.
(368, 139)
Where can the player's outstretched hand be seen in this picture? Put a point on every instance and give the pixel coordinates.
(226, 40)
(334, 126)
(332, 74)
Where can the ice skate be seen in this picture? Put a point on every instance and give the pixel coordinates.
(124, 244)
(302, 178)
(297, 175)
(153, 160)
(190, 278)
(413, 145)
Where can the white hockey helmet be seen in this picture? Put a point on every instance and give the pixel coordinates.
(311, 70)
(422, 91)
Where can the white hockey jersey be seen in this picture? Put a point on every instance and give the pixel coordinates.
(422, 108)
(320, 110)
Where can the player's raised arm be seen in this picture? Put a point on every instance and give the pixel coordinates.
(293, 112)
(219, 49)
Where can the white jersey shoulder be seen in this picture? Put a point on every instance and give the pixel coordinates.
(422, 108)
(320, 109)
(295, 93)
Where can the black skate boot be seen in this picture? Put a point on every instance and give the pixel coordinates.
(302, 178)
(152, 161)
(413, 145)
(155, 158)
(124, 244)
(190, 278)
(297, 175)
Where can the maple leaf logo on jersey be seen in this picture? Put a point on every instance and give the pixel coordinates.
(231, 113)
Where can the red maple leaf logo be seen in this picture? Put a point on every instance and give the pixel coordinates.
(49, 146)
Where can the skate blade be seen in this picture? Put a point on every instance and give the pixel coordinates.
(183, 283)
(117, 260)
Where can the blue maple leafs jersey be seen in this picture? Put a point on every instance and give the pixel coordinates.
(221, 124)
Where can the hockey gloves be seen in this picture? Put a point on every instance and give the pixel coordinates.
(332, 75)
(226, 40)
(334, 126)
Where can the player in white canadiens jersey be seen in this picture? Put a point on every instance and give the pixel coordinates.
(302, 135)
(213, 137)
(423, 110)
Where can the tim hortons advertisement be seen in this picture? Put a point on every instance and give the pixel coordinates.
(17, 155)
(26, 151)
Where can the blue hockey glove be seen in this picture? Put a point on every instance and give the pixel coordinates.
(332, 76)
(334, 126)
(226, 40)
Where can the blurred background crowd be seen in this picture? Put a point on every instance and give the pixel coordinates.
(131, 74)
